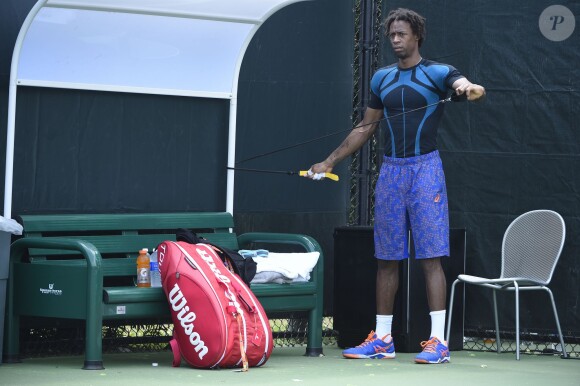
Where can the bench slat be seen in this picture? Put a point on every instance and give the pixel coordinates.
(110, 267)
(128, 221)
(118, 295)
(149, 310)
(131, 244)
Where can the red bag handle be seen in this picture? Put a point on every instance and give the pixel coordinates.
(176, 353)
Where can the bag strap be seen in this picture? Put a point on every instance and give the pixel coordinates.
(242, 351)
(234, 262)
(188, 236)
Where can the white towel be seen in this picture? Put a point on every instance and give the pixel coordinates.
(270, 277)
(10, 225)
(294, 267)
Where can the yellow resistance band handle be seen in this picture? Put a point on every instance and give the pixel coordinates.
(332, 176)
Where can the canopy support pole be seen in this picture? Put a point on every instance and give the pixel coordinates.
(8, 175)
(5, 237)
(231, 155)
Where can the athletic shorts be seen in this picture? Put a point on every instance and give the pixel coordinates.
(411, 194)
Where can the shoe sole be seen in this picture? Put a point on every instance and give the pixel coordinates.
(361, 356)
(440, 360)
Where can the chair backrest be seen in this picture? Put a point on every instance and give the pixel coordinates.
(532, 245)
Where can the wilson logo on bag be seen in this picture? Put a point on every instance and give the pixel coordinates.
(218, 321)
(186, 319)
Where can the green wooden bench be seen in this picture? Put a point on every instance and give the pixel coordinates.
(82, 267)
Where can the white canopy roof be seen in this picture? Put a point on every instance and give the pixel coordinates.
(243, 11)
(175, 47)
(172, 47)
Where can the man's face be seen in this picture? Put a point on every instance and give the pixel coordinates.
(402, 38)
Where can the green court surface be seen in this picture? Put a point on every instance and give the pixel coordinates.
(288, 366)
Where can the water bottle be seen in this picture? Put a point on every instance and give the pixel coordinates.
(155, 274)
(143, 269)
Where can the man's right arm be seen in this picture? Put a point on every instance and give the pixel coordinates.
(353, 142)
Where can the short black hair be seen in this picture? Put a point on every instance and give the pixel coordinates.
(416, 21)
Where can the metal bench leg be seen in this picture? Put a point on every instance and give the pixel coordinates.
(12, 329)
(314, 345)
(94, 322)
(94, 345)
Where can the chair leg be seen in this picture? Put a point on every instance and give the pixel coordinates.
(517, 292)
(497, 339)
(564, 353)
(450, 315)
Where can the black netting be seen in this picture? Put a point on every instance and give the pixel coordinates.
(151, 336)
(538, 343)
(365, 163)
(287, 332)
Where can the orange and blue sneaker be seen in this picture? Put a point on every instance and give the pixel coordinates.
(434, 351)
(372, 348)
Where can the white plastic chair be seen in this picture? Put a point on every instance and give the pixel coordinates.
(530, 251)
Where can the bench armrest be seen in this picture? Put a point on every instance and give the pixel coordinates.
(307, 242)
(88, 250)
(94, 280)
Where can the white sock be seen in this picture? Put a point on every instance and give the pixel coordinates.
(438, 324)
(384, 323)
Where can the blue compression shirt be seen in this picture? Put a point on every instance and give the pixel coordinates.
(397, 91)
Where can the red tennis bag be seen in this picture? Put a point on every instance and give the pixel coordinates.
(218, 321)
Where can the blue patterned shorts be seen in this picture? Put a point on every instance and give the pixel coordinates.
(411, 193)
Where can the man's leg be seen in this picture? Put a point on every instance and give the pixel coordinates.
(435, 349)
(429, 218)
(435, 283)
(379, 344)
(391, 240)
(390, 236)
(386, 289)
(436, 287)
(387, 285)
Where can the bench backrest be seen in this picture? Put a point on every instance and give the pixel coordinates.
(123, 235)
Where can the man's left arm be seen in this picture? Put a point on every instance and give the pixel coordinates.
(473, 91)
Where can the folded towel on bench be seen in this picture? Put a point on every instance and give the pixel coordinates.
(285, 267)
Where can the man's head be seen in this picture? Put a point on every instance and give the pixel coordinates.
(416, 21)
